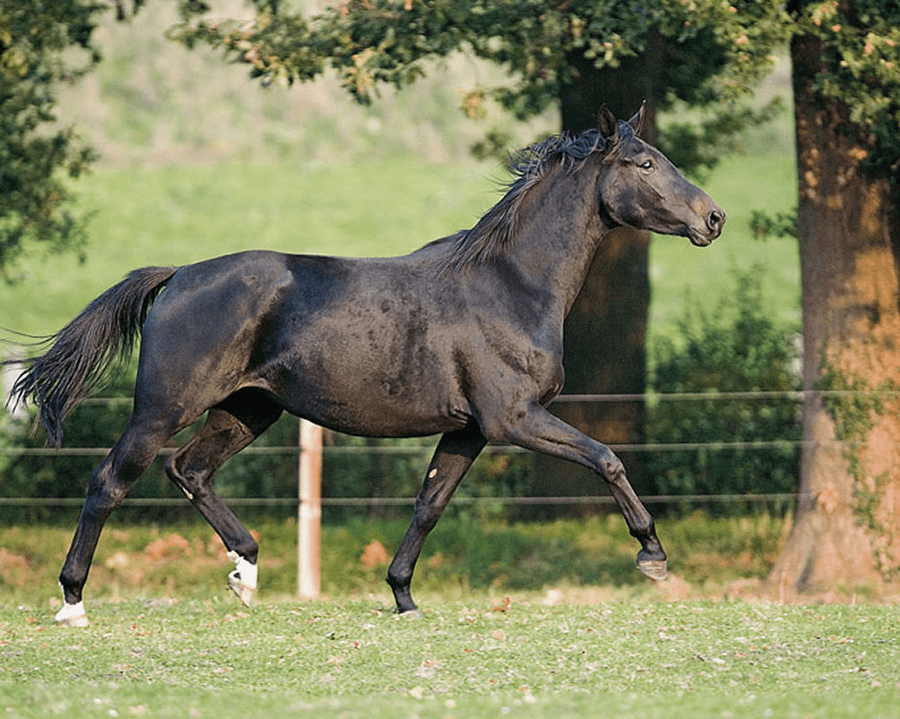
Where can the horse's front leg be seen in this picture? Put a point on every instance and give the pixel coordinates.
(454, 455)
(538, 430)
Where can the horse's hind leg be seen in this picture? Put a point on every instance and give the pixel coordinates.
(110, 482)
(454, 455)
(230, 426)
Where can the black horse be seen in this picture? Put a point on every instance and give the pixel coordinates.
(463, 337)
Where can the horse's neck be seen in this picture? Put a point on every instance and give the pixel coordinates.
(558, 231)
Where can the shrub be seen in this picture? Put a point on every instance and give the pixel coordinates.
(736, 347)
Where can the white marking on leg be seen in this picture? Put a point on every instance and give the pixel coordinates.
(242, 581)
(432, 474)
(72, 615)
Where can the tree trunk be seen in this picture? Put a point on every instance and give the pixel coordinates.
(847, 530)
(606, 329)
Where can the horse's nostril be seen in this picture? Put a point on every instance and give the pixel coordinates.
(715, 219)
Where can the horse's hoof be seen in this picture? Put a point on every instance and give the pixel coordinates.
(654, 569)
(242, 580)
(243, 591)
(72, 615)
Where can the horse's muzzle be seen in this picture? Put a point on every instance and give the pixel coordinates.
(702, 236)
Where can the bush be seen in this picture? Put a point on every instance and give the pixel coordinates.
(93, 425)
(736, 348)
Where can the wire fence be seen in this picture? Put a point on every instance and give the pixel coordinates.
(414, 449)
(603, 500)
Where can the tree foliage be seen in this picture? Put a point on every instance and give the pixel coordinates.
(41, 46)
(708, 53)
(368, 42)
(860, 69)
(714, 51)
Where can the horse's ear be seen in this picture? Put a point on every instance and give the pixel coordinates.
(637, 121)
(609, 126)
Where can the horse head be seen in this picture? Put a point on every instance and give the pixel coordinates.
(640, 187)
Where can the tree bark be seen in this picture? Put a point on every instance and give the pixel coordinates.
(606, 330)
(847, 528)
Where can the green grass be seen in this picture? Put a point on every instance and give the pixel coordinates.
(681, 273)
(516, 620)
(177, 215)
(465, 658)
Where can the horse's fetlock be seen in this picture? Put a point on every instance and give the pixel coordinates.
(71, 587)
(641, 529)
(397, 582)
(248, 549)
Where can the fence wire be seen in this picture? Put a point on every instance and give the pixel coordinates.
(649, 398)
(603, 500)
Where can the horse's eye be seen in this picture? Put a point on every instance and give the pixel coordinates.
(646, 165)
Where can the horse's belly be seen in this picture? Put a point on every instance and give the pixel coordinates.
(374, 415)
(356, 398)
(380, 363)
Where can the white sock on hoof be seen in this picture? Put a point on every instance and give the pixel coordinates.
(72, 615)
(242, 581)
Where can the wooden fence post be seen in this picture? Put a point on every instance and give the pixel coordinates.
(309, 518)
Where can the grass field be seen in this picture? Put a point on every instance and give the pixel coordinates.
(478, 657)
(500, 633)
(464, 552)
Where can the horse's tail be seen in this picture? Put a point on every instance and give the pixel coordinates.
(81, 353)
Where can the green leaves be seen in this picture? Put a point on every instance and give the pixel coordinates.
(41, 46)
(736, 348)
(860, 67)
(536, 40)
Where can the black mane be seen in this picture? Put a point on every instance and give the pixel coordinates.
(493, 232)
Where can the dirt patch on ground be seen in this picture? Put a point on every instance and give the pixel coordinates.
(15, 569)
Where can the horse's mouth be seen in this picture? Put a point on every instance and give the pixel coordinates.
(700, 238)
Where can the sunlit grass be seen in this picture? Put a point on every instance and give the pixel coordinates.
(474, 657)
(465, 552)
